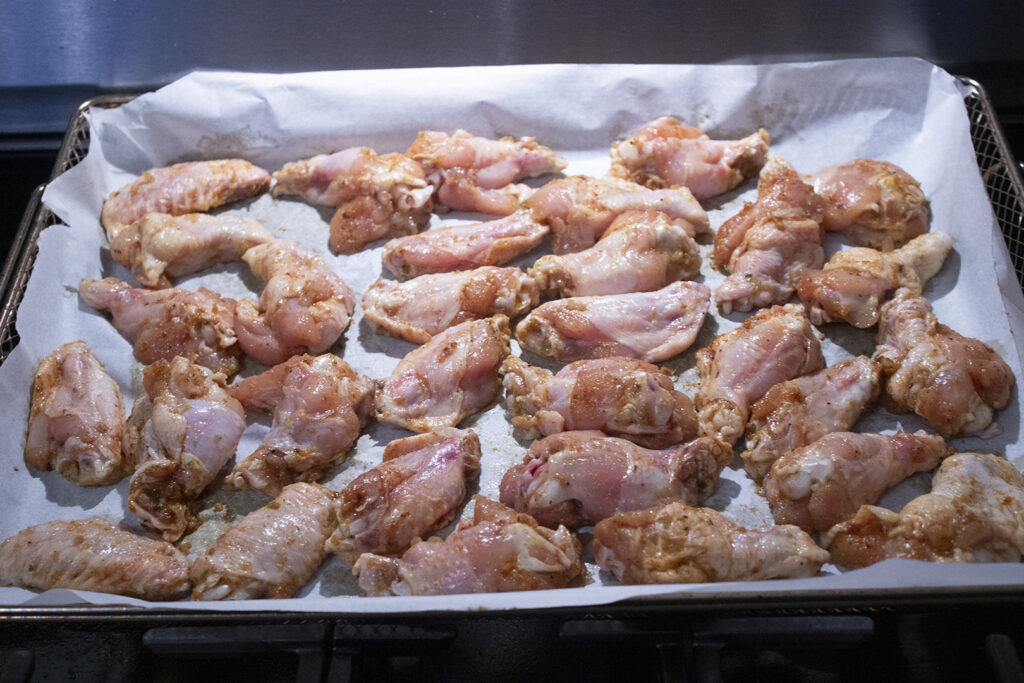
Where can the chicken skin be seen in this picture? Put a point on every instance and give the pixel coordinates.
(666, 153)
(580, 209)
(873, 203)
(319, 405)
(463, 247)
(819, 485)
(165, 323)
(472, 173)
(377, 195)
(497, 550)
(272, 552)
(190, 187)
(800, 411)
(76, 419)
(415, 490)
(640, 252)
(578, 478)
(427, 305)
(93, 555)
(955, 382)
(622, 397)
(676, 543)
(739, 367)
(180, 434)
(855, 282)
(771, 243)
(305, 306)
(447, 379)
(974, 513)
(159, 245)
(651, 326)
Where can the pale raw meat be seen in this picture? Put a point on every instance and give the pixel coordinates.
(447, 379)
(319, 404)
(180, 434)
(93, 555)
(955, 382)
(802, 410)
(580, 209)
(642, 251)
(771, 243)
(271, 552)
(190, 187)
(855, 282)
(162, 324)
(651, 326)
(463, 247)
(472, 173)
(497, 550)
(974, 513)
(377, 195)
(819, 485)
(159, 245)
(76, 419)
(622, 397)
(666, 153)
(578, 478)
(676, 543)
(304, 307)
(739, 367)
(416, 489)
(429, 304)
(873, 203)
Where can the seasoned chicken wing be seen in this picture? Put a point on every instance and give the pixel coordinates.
(472, 173)
(955, 382)
(642, 251)
(622, 397)
(676, 543)
(651, 326)
(76, 419)
(93, 555)
(771, 243)
(447, 379)
(319, 404)
(577, 478)
(429, 304)
(190, 187)
(377, 195)
(497, 550)
(463, 247)
(165, 323)
(800, 411)
(305, 306)
(873, 203)
(819, 485)
(580, 209)
(159, 245)
(666, 153)
(415, 490)
(974, 513)
(855, 282)
(739, 367)
(180, 434)
(272, 552)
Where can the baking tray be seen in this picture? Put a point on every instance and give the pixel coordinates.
(1005, 187)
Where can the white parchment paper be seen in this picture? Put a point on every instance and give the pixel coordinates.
(901, 110)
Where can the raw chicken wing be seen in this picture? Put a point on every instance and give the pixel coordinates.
(319, 404)
(676, 543)
(666, 153)
(497, 550)
(76, 420)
